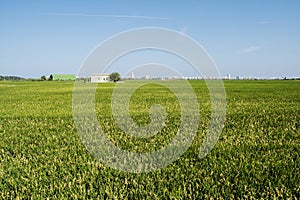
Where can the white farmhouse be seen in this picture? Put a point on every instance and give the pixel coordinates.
(100, 78)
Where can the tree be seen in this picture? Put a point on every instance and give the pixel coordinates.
(43, 78)
(115, 76)
(50, 78)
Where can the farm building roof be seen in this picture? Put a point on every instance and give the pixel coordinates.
(63, 77)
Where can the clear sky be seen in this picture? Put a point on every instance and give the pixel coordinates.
(257, 38)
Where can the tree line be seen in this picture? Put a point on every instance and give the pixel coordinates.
(11, 78)
(115, 76)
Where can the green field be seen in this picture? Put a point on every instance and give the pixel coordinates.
(257, 155)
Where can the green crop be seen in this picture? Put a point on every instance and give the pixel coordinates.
(257, 155)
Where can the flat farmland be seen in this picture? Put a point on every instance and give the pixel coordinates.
(256, 156)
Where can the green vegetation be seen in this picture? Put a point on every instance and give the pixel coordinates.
(257, 155)
(43, 78)
(14, 78)
(115, 76)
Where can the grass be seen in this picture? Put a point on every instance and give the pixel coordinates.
(257, 155)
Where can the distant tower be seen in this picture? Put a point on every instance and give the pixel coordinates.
(227, 76)
(131, 75)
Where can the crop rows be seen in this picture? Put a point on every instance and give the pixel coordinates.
(257, 155)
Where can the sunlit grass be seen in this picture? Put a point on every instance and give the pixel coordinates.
(257, 155)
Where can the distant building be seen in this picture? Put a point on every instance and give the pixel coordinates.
(131, 76)
(62, 77)
(100, 78)
(228, 77)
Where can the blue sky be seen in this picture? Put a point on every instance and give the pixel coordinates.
(245, 38)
